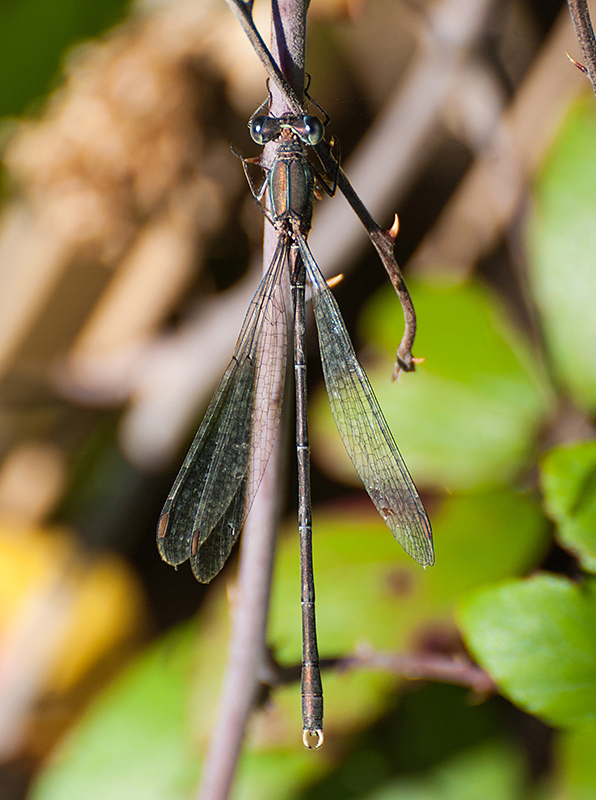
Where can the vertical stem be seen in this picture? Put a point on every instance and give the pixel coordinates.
(288, 47)
(249, 613)
(248, 635)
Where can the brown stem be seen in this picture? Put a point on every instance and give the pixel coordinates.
(445, 669)
(410, 666)
(585, 35)
(247, 646)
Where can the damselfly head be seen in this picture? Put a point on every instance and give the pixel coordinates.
(265, 128)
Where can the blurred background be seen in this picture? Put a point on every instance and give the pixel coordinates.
(129, 251)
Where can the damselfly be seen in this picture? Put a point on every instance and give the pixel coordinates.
(214, 490)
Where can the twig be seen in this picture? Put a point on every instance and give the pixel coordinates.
(247, 649)
(445, 669)
(457, 670)
(585, 35)
(382, 240)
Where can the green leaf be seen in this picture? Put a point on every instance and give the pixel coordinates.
(493, 771)
(561, 246)
(569, 486)
(470, 415)
(483, 538)
(537, 638)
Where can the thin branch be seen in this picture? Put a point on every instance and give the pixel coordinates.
(414, 667)
(382, 240)
(247, 648)
(457, 670)
(585, 35)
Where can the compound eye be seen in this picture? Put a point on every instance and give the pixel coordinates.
(263, 129)
(313, 129)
